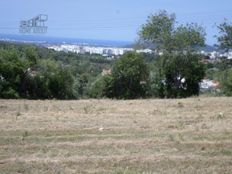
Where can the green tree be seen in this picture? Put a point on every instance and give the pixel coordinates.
(158, 30)
(225, 37)
(161, 31)
(55, 80)
(102, 87)
(226, 82)
(31, 54)
(183, 73)
(179, 70)
(225, 42)
(61, 84)
(49, 80)
(129, 77)
(188, 37)
(28, 71)
(12, 74)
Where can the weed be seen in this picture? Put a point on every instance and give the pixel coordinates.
(171, 137)
(18, 114)
(180, 105)
(25, 134)
(87, 109)
(226, 152)
(26, 107)
(3, 107)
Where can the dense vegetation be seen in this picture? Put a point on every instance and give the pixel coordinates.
(28, 71)
(128, 79)
(32, 72)
(35, 72)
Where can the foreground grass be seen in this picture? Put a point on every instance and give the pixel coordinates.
(105, 136)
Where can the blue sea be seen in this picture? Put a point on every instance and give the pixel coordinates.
(43, 39)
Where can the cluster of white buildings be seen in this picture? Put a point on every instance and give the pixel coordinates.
(116, 51)
(215, 55)
(108, 51)
(209, 84)
(105, 51)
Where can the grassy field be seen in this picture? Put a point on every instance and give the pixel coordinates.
(108, 136)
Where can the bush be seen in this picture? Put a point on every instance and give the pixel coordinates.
(178, 75)
(129, 77)
(227, 83)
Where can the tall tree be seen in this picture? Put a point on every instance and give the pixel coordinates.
(158, 30)
(225, 43)
(179, 70)
(225, 38)
(162, 31)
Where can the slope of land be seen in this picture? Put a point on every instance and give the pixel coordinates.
(108, 136)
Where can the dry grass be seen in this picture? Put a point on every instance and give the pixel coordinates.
(106, 136)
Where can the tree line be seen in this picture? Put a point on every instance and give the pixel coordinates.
(34, 72)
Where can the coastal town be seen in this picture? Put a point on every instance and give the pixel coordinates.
(101, 50)
(118, 51)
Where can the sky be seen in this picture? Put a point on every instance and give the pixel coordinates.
(111, 19)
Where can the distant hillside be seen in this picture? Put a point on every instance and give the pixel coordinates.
(207, 48)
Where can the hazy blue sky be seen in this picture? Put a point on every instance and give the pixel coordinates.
(110, 19)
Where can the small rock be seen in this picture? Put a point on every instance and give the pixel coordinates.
(101, 129)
